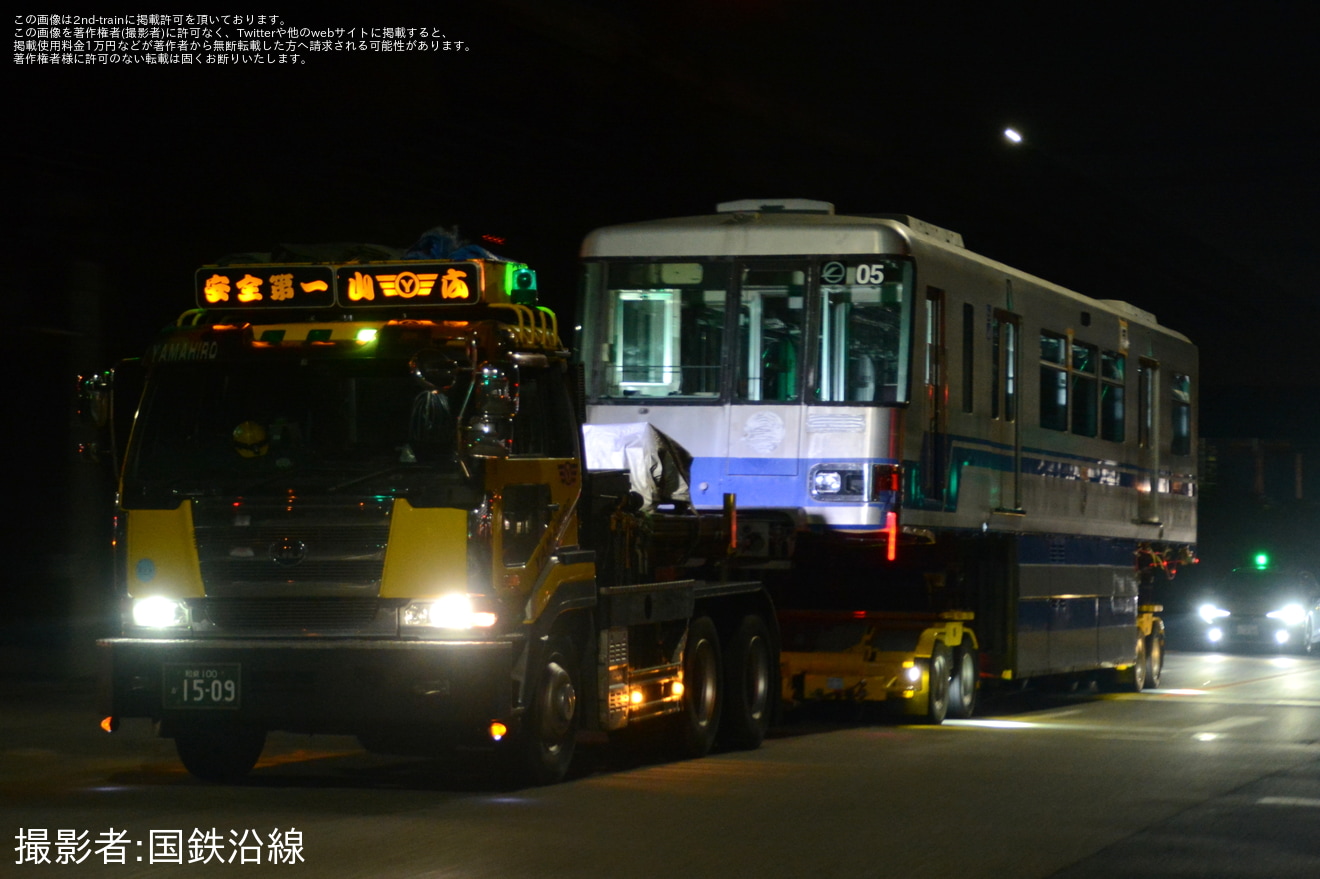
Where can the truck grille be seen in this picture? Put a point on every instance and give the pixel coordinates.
(302, 550)
(306, 615)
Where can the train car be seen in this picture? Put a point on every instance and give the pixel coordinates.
(961, 439)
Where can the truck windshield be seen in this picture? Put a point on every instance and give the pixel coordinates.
(306, 425)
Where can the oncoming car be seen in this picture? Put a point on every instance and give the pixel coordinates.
(1265, 607)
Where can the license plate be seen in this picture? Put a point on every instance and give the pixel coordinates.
(201, 685)
(1248, 630)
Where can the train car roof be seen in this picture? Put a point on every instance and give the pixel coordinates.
(798, 227)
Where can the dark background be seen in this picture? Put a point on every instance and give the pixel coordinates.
(1169, 161)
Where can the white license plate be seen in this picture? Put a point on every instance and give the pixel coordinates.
(201, 684)
(1251, 631)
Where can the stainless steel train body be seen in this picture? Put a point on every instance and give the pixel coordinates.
(1032, 445)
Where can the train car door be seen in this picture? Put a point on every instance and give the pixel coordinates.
(772, 317)
(1005, 342)
(1148, 438)
(935, 438)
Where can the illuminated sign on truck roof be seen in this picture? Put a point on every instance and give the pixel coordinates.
(320, 285)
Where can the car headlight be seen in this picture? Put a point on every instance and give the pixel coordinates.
(1210, 613)
(159, 612)
(1291, 615)
(453, 611)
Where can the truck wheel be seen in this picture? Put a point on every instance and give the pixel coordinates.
(220, 754)
(702, 699)
(937, 703)
(962, 686)
(549, 733)
(1154, 660)
(749, 683)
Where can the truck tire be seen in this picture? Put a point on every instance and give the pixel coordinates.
(1154, 660)
(548, 736)
(937, 700)
(220, 753)
(703, 698)
(750, 679)
(962, 686)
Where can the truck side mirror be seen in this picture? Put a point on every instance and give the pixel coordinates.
(94, 395)
(489, 433)
(435, 369)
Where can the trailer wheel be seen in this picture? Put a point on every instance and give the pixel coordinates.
(962, 686)
(1133, 680)
(221, 753)
(937, 702)
(549, 734)
(702, 680)
(1154, 660)
(749, 685)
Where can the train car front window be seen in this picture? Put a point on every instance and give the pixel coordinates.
(666, 336)
(770, 321)
(864, 337)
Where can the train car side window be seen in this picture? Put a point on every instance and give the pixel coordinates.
(1085, 399)
(1181, 441)
(1053, 381)
(1081, 388)
(1113, 369)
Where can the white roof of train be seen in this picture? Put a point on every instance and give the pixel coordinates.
(798, 227)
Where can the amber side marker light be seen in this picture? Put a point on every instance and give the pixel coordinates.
(498, 730)
(110, 724)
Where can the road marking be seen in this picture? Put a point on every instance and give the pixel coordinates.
(1226, 724)
(1308, 802)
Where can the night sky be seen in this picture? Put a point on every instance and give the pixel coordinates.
(1170, 160)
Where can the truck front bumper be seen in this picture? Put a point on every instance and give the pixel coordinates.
(330, 686)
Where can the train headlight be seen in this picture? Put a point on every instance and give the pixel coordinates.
(832, 482)
(1291, 615)
(827, 482)
(159, 612)
(1210, 613)
(453, 611)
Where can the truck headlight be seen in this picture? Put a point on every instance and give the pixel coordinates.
(1291, 615)
(1210, 613)
(159, 612)
(453, 611)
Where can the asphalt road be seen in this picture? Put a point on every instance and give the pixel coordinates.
(1215, 774)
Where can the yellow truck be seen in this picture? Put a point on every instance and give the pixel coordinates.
(352, 500)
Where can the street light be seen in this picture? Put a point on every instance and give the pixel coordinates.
(1012, 135)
